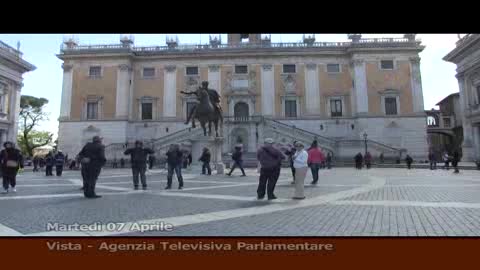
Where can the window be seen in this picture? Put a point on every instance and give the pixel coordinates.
(289, 68)
(336, 107)
(192, 71)
(386, 64)
(333, 68)
(92, 110)
(290, 108)
(190, 106)
(391, 106)
(2, 98)
(148, 72)
(95, 72)
(446, 122)
(147, 111)
(241, 69)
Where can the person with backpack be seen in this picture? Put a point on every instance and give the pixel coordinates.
(11, 160)
(59, 162)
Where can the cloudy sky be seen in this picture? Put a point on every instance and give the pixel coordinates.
(438, 76)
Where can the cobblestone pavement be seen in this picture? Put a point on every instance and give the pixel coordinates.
(345, 202)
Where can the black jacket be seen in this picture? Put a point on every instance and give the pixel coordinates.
(59, 159)
(95, 152)
(205, 157)
(12, 154)
(139, 156)
(174, 157)
(237, 155)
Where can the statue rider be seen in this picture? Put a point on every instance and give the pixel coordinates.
(214, 99)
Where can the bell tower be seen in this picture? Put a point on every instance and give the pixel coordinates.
(234, 39)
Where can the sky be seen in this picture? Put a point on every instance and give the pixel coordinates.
(438, 76)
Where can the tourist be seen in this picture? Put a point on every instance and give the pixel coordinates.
(455, 160)
(368, 160)
(270, 160)
(409, 161)
(300, 159)
(49, 161)
(92, 158)
(289, 153)
(205, 159)
(174, 161)
(433, 161)
(36, 162)
(151, 161)
(315, 159)
(59, 162)
(11, 161)
(122, 163)
(138, 158)
(358, 161)
(329, 160)
(237, 161)
(114, 163)
(446, 160)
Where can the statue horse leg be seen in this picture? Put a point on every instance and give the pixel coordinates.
(202, 123)
(209, 128)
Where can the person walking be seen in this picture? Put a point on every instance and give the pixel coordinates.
(289, 153)
(122, 163)
(315, 158)
(446, 160)
(329, 160)
(175, 162)
(92, 158)
(300, 159)
(35, 163)
(381, 158)
(409, 161)
(237, 161)
(433, 161)
(151, 161)
(138, 159)
(11, 160)
(59, 163)
(205, 159)
(49, 161)
(270, 160)
(368, 160)
(455, 160)
(358, 161)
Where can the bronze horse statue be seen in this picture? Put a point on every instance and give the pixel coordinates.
(205, 112)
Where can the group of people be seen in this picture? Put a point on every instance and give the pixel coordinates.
(446, 158)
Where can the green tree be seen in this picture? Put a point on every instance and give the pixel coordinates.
(31, 114)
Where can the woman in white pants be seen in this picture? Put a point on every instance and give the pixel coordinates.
(300, 159)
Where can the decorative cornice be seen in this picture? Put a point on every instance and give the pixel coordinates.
(213, 68)
(311, 66)
(124, 67)
(170, 68)
(67, 67)
(267, 67)
(414, 60)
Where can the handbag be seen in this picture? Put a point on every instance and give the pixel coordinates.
(10, 163)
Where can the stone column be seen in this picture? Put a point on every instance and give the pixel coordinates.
(123, 92)
(416, 85)
(312, 91)
(170, 92)
(467, 144)
(268, 90)
(14, 110)
(214, 78)
(66, 103)
(361, 93)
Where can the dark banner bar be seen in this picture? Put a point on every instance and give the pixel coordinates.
(375, 253)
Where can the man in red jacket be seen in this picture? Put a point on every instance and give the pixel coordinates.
(315, 159)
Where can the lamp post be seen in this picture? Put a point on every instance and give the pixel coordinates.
(365, 135)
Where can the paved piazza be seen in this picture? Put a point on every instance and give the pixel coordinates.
(346, 202)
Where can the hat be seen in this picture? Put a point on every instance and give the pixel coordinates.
(299, 144)
(96, 138)
(269, 140)
(138, 142)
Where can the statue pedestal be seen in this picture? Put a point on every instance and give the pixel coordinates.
(215, 144)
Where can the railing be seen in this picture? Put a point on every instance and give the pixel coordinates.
(370, 143)
(195, 47)
(6, 48)
(242, 119)
(463, 39)
(300, 130)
